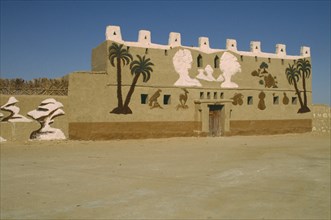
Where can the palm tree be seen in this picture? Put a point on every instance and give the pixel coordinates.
(304, 69)
(121, 55)
(141, 66)
(292, 75)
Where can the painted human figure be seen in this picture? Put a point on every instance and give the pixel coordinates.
(229, 66)
(182, 61)
(45, 114)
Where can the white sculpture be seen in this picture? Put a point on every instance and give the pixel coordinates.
(182, 61)
(229, 66)
(45, 114)
(14, 110)
(209, 74)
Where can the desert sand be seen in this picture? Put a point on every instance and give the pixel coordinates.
(242, 177)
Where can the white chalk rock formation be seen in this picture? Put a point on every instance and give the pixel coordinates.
(182, 61)
(206, 74)
(229, 66)
(14, 110)
(45, 114)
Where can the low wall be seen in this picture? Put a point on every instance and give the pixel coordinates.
(264, 127)
(321, 119)
(132, 130)
(21, 131)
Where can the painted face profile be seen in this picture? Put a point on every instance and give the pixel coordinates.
(229, 65)
(182, 61)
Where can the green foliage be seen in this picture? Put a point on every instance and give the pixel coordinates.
(142, 66)
(292, 74)
(117, 52)
(304, 68)
(264, 65)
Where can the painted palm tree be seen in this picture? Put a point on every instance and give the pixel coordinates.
(141, 66)
(304, 69)
(121, 56)
(292, 75)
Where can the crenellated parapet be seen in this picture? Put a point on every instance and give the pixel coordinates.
(113, 33)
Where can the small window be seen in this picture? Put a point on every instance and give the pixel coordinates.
(276, 100)
(282, 61)
(269, 60)
(221, 95)
(216, 62)
(255, 58)
(114, 33)
(294, 100)
(242, 58)
(146, 51)
(199, 61)
(143, 98)
(201, 95)
(215, 95)
(208, 95)
(250, 100)
(166, 52)
(166, 99)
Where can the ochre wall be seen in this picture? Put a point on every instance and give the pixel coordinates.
(133, 130)
(165, 74)
(20, 131)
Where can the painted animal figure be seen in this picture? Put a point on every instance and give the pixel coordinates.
(153, 103)
(183, 97)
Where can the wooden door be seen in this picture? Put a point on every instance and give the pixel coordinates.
(214, 121)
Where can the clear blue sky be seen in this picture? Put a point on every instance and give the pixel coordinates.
(54, 38)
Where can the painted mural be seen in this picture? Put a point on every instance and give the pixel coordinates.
(299, 70)
(142, 66)
(261, 104)
(237, 99)
(45, 114)
(206, 74)
(182, 62)
(121, 56)
(182, 100)
(286, 100)
(266, 78)
(229, 66)
(13, 110)
(152, 102)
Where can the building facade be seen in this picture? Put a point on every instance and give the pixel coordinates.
(141, 90)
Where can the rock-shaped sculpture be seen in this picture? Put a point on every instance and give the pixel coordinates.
(182, 61)
(45, 114)
(14, 110)
(229, 65)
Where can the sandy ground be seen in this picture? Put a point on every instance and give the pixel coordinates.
(255, 177)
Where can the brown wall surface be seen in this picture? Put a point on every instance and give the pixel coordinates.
(132, 130)
(262, 127)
